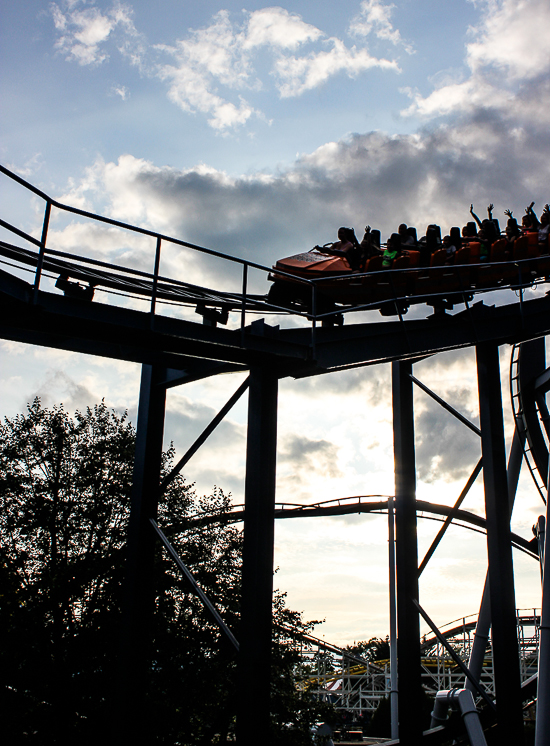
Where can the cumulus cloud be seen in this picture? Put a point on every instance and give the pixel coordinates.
(502, 56)
(486, 155)
(221, 55)
(372, 384)
(430, 176)
(375, 18)
(84, 32)
(278, 28)
(209, 70)
(209, 56)
(467, 95)
(30, 167)
(185, 420)
(298, 74)
(505, 41)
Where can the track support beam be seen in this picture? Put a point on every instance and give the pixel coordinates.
(138, 600)
(542, 732)
(253, 718)
(499, 548)
(406, 558)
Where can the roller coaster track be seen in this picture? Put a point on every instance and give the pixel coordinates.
(527, 415)
(136, 283)
(353, 505)
(125, 281)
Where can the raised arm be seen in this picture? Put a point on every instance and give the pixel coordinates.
(490, 211)
(529, 211)
(475, 217)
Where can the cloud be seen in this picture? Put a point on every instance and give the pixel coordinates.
(299, 74)
(187, 419)
(30, 167)
(372, 384)
(430, 176)
(209, 56)
(83, 34)
(58, 387)
(210, 69)
(374, 18)
(222, 55)
(503, 58)
(466, 96)
(445, 448)
(120, 90)
(305, 455)
(278, 28)
(505, 38)
(220, 460)
(485, 155)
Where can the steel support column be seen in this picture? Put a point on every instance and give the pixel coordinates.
(406, 558)
(499, 548)
(253, 719)
(139, 588)
(483, 626)
(542, 732)
(394, 712)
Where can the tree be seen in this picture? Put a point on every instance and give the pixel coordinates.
(64, 504)
(375, 649)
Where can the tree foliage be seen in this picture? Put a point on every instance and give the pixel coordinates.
(375, 649)
(65, 487)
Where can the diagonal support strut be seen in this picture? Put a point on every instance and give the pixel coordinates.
(196, 589)
(204, 435)
(441, 533)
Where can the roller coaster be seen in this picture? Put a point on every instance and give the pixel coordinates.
(517, 265)
(88, 305)
(311, 284)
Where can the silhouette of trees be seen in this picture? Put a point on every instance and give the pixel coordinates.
(64, 504)
(375, 649)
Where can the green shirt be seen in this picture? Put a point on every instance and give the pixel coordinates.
(388, 257)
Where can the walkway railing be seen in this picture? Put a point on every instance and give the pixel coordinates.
(141, 281)
(157, 287)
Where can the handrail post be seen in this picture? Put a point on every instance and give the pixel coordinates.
(465, 299)
(398, 310)
(314, 318)
(520, 294)
(243, 303)
(40, 262)
(155, 280)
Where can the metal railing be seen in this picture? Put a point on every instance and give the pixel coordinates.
(244, 301)
(241, 301)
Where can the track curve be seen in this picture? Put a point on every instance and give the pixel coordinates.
(355, 505)
(529, 408)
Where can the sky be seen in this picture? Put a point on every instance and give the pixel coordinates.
(258, 131)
